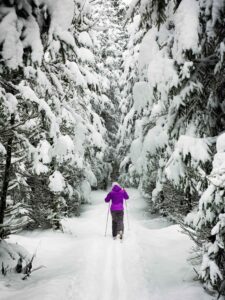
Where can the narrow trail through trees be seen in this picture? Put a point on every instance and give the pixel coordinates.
(82, 264)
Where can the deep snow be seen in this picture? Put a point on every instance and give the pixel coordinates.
(82, 264)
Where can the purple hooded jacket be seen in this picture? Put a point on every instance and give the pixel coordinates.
(117, 195)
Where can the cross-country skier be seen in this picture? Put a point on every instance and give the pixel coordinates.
(117, 197)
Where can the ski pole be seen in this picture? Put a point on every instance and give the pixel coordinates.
(107, 220)
(128, 224)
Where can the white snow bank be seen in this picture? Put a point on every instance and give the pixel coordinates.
(9, 256)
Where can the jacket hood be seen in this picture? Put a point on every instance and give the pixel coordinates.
(116, 188)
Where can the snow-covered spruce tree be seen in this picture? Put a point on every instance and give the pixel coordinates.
(128, 175)
(172, 77)
(140, 120)
(180, 105)
(18, 27)
(83, 102)
(196, 110)
(112, 39)
(209, 223)
(58, 131)
(96, 93)
(208, 219)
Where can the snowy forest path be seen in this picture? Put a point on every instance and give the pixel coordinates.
(111, 267)
(83, 264)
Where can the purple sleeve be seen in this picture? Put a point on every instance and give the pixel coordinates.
(125, 195)
(108, 197)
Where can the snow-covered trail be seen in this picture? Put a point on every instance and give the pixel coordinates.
(82, 264)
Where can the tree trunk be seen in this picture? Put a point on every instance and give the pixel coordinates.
(6, 177)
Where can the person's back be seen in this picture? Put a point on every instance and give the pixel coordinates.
(117, 197)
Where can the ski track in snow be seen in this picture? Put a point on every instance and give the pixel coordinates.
(82, 264)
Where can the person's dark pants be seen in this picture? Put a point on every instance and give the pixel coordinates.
(117, 222)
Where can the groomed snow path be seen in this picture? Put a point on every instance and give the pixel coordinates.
(82, 264)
